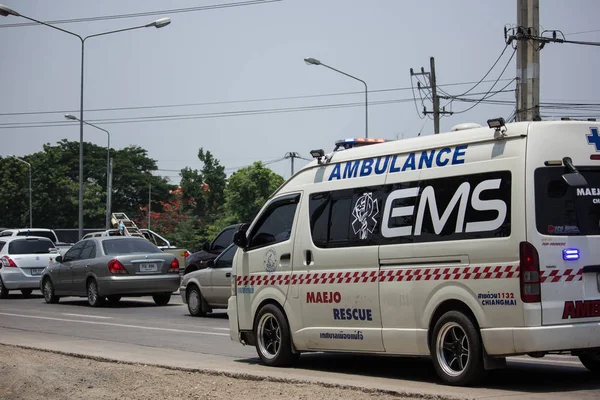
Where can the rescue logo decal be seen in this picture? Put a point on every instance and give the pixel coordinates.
(364, 213)
(357, 314)
(357, 335)
(581, 309)
(270, 261)
(323, 297)
(593, 138)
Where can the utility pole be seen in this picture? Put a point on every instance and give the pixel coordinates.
(149, 202)
(528, 61)
(109, 193)
(434, 97)
(291, 155)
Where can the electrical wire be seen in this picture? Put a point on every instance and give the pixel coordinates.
(145, 14)
(412, 86)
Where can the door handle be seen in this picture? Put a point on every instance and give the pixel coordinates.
(308, 257)
(228, 275)
(286, 257)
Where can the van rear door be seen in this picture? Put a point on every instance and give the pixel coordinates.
(566, 226)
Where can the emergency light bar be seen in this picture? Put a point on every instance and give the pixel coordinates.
(570, 254)
(355, 142)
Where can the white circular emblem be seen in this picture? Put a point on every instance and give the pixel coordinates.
(270, 261)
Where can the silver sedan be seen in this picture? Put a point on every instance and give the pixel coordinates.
(107, 268)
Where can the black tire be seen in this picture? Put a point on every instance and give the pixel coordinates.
(162, 299)
(114, 299)
(26, 292)
(48, 292)
(273, 338)
(3, 290)
(195, 302)
(456, 350)
(591, 361)
(93, 294)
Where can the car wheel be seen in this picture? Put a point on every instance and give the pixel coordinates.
(113, 299)
(591, 361)
(195, 302)
(456, 349)
(3, 290)
(162, 299)
(48, 292)
(273, 339)
(93, 294)
(26, 292)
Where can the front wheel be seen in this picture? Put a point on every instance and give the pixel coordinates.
(48, 292)
(195, 302)
(93, 294)
(456, 350)
(162, 299)
(273, 338)
(3, 290)
(591, 361)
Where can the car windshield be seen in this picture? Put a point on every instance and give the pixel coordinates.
(30, 246)
(128, 246)
(45, 234)
(561, 209)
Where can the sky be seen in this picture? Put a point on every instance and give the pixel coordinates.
(232, 80)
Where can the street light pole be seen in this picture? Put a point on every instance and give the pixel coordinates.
(30, 192)
(314, 61)
(159, 23)
(74, 118)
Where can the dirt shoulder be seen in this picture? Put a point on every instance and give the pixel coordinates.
(34, 374)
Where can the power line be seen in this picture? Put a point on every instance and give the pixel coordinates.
(145, 14)
(223, 102)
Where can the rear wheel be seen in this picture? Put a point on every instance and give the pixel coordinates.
(3, 290)
(456, 349)
(162, 299)
(26, 292)
(48, 292)
(195, 302)
(93, 294)
(113, 299)
(273, 338)
(591, 361)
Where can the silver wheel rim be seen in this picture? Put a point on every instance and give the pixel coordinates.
(453, 349)
(47, 290)
(92, 295)
(194, 300)
(269, 336)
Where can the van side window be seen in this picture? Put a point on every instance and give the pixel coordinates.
(275, 224)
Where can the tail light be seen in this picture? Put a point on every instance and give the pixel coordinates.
(529, 273)
(116, 268)
(8, 262)
(185, 254)
(174, 266)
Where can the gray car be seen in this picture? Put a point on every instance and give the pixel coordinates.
(209, 288)
(107, 268)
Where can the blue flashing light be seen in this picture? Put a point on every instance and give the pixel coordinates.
(350, 140)
(570, 254)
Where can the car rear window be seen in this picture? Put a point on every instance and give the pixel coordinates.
(564, 210)
(128, 246)
(30, 246)
(45, 234)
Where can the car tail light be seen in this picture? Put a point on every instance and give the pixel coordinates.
(174, 266)
(529, 273)
(116, 268)
(186, 254)
(8, 262)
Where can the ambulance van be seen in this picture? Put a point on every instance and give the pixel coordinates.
(466, 247)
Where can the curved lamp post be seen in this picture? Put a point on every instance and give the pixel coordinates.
(314, 61)
(30, 209)
(159, 23)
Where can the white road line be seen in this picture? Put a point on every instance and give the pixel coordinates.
(87, 316)
(150, 328)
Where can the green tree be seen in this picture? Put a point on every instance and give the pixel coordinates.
(247, 191)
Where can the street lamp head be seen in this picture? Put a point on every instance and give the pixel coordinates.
(5, 11)
(71, 117)
(312, 61)
(160, 23)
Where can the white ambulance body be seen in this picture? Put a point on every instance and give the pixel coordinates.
(467, 246)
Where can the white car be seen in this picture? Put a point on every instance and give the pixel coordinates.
(22, 260)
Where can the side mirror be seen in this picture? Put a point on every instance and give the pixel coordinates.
(58, 259)
(240, 240)
(205, 246)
